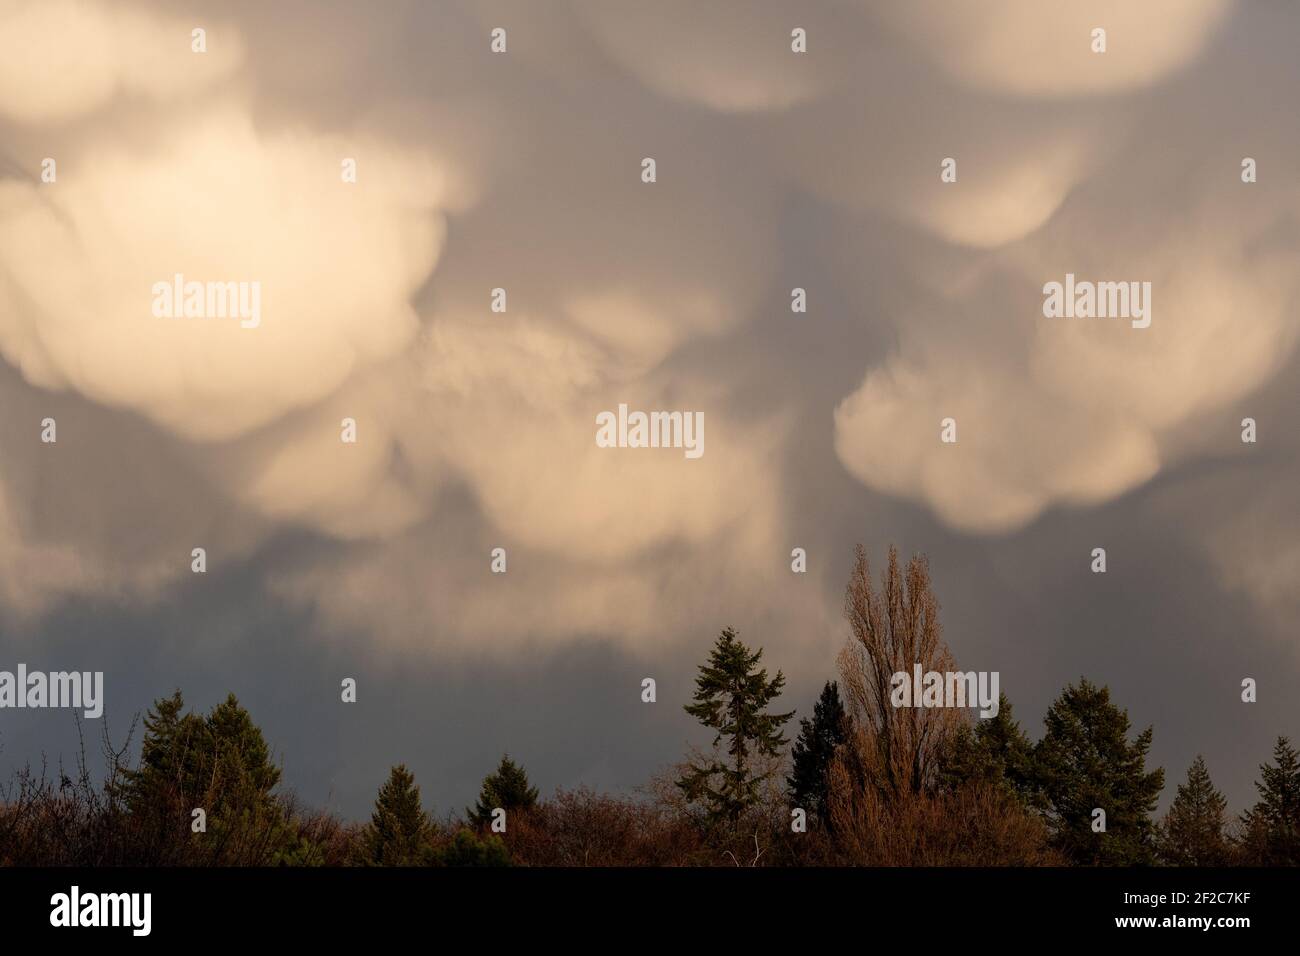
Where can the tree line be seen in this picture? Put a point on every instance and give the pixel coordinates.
(864, 783)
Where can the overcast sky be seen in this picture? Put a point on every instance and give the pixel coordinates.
(522, 170)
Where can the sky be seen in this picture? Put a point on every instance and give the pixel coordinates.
(523, 170)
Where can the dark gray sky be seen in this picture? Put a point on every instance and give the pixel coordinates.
(522, 170)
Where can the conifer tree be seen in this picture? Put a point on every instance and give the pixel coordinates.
(219, 763)
(1272, 826)
(508, 788)
(813, 752)
(399, 827)
(731, 697)
(466, 849)
(1192, 831)
(1085, 762)
(995, 750)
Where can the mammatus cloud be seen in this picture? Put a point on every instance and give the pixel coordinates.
(475, 428)
(1078, 411)
(1035, 50)
(215, 201)
(62, 59)
(734, 58)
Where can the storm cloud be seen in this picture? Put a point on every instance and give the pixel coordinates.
(475, 428)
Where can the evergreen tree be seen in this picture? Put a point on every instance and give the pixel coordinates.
(995, 751)
(506, 788)
(240, 757)
(1085, 761)
(730, 698)
(813, 751)
(1272, 826)
(160, 755)
(398, 827)
(1192, 832)
(219, 763)
(466, 849)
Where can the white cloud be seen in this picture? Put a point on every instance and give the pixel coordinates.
(215, 200)
(1033, 49)
(61, 59)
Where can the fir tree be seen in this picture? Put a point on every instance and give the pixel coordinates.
(1192, 831)
(241, 756)
(996, 751)
(1272, 826)
(399, 827)
(813, 752)
(730, 698)
(507, 788)
(219, 763)
(1085, 761)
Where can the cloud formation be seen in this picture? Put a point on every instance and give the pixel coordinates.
(62, 59)
(522, 171)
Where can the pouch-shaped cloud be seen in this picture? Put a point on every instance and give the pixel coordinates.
(215, 201)
(730, 56)
(1034, 49)
(1076, 411)
(299, 470)
(1017, 449)
(595, 536)
(63, 58)
(1015, 162)
(517, 404)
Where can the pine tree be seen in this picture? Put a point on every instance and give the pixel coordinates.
(399, 827)
(813, 751)
(996, 751)
(1192, 831)
(1085, 761)
(1272, 826)
(730, 698)
(507, 788)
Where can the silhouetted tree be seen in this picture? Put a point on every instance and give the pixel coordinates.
(507, 788)
(1272, 826)
(1192, 831)
(399, 827)
(1085, 761)
(813, 751)
(731, 697)
(895, 750)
